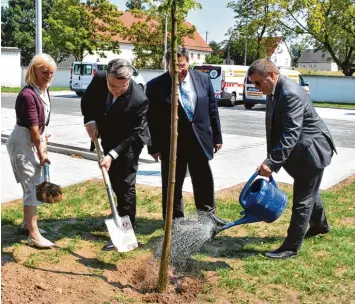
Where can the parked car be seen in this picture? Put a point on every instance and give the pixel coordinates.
(252, 96)
(227, 81)
(81, 74)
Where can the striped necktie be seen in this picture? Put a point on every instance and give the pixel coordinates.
(186, 102)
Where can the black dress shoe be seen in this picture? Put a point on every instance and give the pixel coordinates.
(281, 254)
(108, 246)
(313, 232)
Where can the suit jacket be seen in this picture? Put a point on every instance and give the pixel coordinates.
(296, 136)
(205, 124)
(125, 123)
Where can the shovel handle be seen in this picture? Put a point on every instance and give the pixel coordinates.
(107, 183)
(101, 156)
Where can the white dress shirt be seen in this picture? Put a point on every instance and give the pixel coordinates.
(189, 87)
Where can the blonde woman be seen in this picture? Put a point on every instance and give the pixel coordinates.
(27, 142)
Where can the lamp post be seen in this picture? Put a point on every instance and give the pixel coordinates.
(38, 26)
(165, 39)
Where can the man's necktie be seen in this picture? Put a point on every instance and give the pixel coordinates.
(109, 102)
(186, 102)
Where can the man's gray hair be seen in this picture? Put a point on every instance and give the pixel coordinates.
(262, 67)
(120, 69)
(181, 52)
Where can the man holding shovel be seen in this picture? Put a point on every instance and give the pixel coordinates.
(114, 108)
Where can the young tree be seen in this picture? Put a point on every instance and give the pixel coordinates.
(18, 27)
(79, 28)
(178, 12)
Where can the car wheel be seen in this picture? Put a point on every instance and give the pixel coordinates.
(232, 100)
(80, 94)
(248, 106)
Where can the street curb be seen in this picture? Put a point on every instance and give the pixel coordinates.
(73, 151)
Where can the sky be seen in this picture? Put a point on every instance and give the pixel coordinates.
(214, 17)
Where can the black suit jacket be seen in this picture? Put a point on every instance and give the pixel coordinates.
(205, 123)
(125, 123)
(296, 136)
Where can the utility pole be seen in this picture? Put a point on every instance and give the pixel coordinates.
(38, 26)
(165, 40)
(206, 36)
(228, 59)
(245, 50)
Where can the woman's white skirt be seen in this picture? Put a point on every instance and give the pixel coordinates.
(25, 163)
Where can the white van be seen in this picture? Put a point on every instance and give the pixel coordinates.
(81, 74)
(227, 81)
(252, 96)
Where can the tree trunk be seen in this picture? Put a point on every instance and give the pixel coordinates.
(165, 257)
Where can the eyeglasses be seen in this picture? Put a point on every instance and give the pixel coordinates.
(257, 83)
(114, 86)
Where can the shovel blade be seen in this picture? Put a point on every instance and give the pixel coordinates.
(122, 235)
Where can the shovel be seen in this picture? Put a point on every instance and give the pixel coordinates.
(120, 228)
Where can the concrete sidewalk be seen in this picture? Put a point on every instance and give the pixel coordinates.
(233, 165)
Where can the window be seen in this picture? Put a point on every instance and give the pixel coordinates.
(192, 56)
(87, 70)
(198, 56)
(76, 69)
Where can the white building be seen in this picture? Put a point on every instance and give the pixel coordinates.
(10, 67)
(317, 60)
(277, 51)
(197, 45)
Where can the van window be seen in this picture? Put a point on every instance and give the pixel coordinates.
(213, 71)
(77, 69)
(87, 69)
(101, 67)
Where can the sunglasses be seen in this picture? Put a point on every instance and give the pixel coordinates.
(257, 83)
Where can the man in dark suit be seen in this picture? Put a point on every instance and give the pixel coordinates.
(115, 107)
(199, 131)
(300, 142)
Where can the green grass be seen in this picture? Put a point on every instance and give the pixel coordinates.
(323, 272)
(17, 90)
(305, 72)
(350, 106)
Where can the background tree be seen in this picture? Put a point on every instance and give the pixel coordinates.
(297, 50)
(217, 56)
(135, 5)
(78, 29)
(254, 19)
(329, 24)
(18, 27)
(148, 33)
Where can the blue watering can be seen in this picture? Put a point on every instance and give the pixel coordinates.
(261, 200)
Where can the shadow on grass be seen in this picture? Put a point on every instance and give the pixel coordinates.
(89, 229)
(233, 247)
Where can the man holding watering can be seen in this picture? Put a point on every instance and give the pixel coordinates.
(300, 142)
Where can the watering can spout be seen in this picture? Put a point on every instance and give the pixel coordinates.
(247, 219)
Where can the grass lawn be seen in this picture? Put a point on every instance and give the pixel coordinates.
(334, 105)
(232, 268)
(17, 90)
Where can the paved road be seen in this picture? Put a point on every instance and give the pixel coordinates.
(236, 120)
